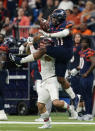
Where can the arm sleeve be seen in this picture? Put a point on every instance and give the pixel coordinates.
(61, 34)
(89, 54)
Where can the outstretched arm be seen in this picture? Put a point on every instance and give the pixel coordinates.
(34, 56)
(59, 34)
(29, 58)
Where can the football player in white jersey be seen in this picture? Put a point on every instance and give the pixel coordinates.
(29, 48)
(48, 89)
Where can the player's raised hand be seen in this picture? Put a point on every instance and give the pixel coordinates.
(21, 49)
(30, 40)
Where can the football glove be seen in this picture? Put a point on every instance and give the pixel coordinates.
(14, 59)
(74, 72)
(30, 40)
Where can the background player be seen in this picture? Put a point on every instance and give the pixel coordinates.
(3, 76)
(86, 80)
(74, 72)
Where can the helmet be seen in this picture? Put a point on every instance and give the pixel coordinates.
(10, 42)
(59, 15)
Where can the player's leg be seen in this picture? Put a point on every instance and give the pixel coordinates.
(60, 68)
(52, 87)
(44, 115)
(75, 84)
(65, 84)
(41, 107)
(86, 91)
(62, 56)
(29, 58)
(2, 84)
(88, 99)
(60, 53)
(43, 97)
(48, 105)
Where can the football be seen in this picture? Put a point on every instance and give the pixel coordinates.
(44, 25)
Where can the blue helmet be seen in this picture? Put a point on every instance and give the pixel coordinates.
(59, 15)
(10, 42)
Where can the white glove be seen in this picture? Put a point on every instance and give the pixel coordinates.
(44, 33)
(30, 40)
(74, 72)
(21, 49)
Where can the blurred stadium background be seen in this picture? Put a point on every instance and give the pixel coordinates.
(20, 94)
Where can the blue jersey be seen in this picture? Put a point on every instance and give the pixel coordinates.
(62, 51)
(66, 41)
(74, 62)
(85, 60)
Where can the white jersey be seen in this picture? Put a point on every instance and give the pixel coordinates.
(47, 65)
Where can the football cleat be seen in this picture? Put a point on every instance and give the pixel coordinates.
(41, 120)
(86, 117)
(74, 114)
(45, 126)
(3, 115)
(75, 102)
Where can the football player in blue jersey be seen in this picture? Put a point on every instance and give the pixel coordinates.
(74, 63)
(74, 77)
(87, 60)
(3, 76)
(62, 50)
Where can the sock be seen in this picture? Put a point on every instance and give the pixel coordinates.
(49, 106)
(26, 59)
(71, 108)
(70, 92)
(45, 116)
(79, 109)
(66, 106)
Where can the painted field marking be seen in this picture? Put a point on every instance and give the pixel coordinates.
(53, 123)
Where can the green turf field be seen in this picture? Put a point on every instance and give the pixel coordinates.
(56, 117)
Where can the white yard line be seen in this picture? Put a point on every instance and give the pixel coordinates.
(53, 123)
